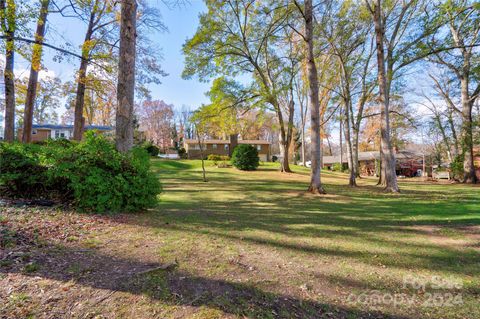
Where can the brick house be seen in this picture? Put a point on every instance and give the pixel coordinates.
(225, 147)
(41, 132)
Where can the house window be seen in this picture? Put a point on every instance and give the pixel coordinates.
(34, 132)
(226, 147)
(259, 147)
(214, 146)
(59, 134)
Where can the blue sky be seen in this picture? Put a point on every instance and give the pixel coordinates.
(182, 23)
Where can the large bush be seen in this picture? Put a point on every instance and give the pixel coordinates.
(151, 149)
(21, 174)
(91, 175)
(245, 157)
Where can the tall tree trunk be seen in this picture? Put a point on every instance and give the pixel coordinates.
(8, 25)
(34, 69)
(284, 138)
(78, 121)
(303, 111)
(316, 151)
(467, 135)
(9, 78)
(356, 165)
(126, 77)
(348, 140)
(340, 132)
(388, 160)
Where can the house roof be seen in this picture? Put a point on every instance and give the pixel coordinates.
(254, 142)
(70, 127)
(370, 156)
(192, 141)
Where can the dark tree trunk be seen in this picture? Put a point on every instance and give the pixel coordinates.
(356, 165)
(388, 158)
(126, 77)
(8, 25)
(316, 151)
(9, 91)
(78, 121)
(34, 69)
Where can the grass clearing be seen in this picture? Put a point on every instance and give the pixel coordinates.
(255, 244)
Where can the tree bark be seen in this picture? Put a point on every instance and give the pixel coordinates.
(469, 175)
(351, 180)
(303, 111)
(78, 121)
(388, 159)
(126, 77)
(284, 137)
(8, 25)
(316, 152)
(356, 165)
(34, 69)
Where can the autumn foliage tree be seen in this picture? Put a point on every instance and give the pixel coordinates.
(156, 119)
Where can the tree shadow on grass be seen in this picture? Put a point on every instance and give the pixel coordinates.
(94, 269)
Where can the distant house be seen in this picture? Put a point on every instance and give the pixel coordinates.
(225, 147)
(41, 132)
(408, 163)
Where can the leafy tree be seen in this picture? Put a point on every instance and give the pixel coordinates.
(240, 37)
(48, 99)
(34, 69)
(455, 49)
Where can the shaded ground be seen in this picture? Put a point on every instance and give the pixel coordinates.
(250, 244)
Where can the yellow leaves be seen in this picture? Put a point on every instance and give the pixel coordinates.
(88, 46)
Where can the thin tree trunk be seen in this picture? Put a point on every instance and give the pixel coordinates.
(34, 69)
(351, 181)
(356, 165)
(388, 160)
(316, 152)
(78, 121)
(303, 111)
(340, 132)
(202, 157)
(329, 146)
(126, 77)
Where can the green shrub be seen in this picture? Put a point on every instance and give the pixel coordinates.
(21, 174)
(91, 174)
(151, 149)
(337, 167)
(245, 157)
(456, 167)
(215, 158)
(182, 153)
(274, 158)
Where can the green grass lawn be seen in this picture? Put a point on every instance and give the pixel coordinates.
(250, 245)
(260, 231)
